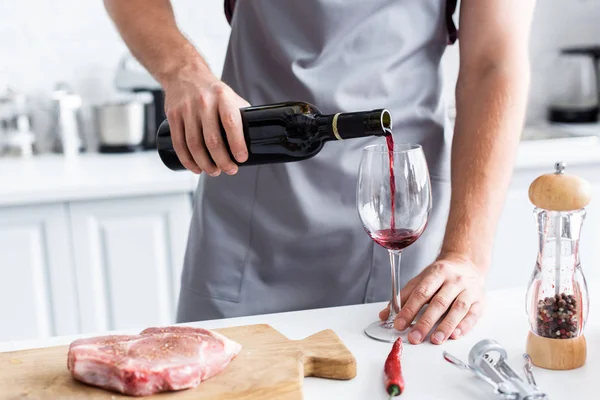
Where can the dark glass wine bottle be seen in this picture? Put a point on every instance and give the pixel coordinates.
(285, 132)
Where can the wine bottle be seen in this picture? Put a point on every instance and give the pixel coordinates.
(286, 132)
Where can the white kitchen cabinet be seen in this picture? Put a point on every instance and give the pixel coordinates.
(37, 274)
(129, 253)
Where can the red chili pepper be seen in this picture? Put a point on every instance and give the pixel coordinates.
(394, 381)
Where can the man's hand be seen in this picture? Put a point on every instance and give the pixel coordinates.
(194, 98)
(451, 285)
(194, 105)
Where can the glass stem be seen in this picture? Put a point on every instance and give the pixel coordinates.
(395, 303)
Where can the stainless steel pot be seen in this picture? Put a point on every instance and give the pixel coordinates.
(120, 126)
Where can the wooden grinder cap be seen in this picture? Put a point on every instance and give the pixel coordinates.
(560, 191)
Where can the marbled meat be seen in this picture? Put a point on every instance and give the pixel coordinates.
(156, 360)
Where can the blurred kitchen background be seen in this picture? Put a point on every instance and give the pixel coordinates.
(93, 227)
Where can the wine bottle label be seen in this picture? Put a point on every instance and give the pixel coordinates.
(335, 127)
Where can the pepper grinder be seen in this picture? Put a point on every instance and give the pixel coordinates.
(557, 296)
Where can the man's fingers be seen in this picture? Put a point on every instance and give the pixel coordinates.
(458, 311)
(213, 139)
(404, 295)
(195, 142)
(385, 313)
(179, 143)
(420, 296)
(438, 305)
(231, 119)
(441, 302)
(468, 321)
(408, 289)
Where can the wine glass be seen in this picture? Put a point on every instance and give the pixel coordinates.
(394, 203)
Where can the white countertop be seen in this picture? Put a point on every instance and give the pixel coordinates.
(50, 177)
(427, 375)
(581, 149)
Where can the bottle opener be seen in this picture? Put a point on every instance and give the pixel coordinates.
(488, 361)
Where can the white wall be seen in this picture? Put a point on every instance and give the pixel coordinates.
(556, 24)
(43, 42)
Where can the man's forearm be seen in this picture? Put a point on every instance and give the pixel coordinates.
(149, 29)
(490, 112)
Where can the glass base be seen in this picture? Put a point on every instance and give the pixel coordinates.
(385, 332)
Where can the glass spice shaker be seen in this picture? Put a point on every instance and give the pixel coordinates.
(557, 296)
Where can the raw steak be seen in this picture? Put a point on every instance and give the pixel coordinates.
(156, 360)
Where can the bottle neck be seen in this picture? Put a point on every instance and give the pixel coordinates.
(350, 125)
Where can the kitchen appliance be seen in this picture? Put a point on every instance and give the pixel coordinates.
(132, 77)
(16, 136)
(591, 51)
(120, 126)
(269, 367)
(557, 296)
(67, 123)
(575, 86)
(488, 360)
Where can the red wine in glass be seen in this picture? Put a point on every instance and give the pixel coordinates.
(395, 239)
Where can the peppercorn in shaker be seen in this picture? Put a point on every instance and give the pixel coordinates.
(557, 296)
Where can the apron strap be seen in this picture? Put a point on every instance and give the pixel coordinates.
(452, 30)
(229, 7)
(450, 9)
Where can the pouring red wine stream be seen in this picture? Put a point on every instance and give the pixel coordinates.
(390, 145)
(394, 239)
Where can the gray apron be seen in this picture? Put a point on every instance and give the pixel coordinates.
(288, 237)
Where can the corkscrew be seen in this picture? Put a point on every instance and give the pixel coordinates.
(488, 361)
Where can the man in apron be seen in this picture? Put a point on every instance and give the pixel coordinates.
(287, 237)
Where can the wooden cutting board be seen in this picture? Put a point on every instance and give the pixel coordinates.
(269, 366)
